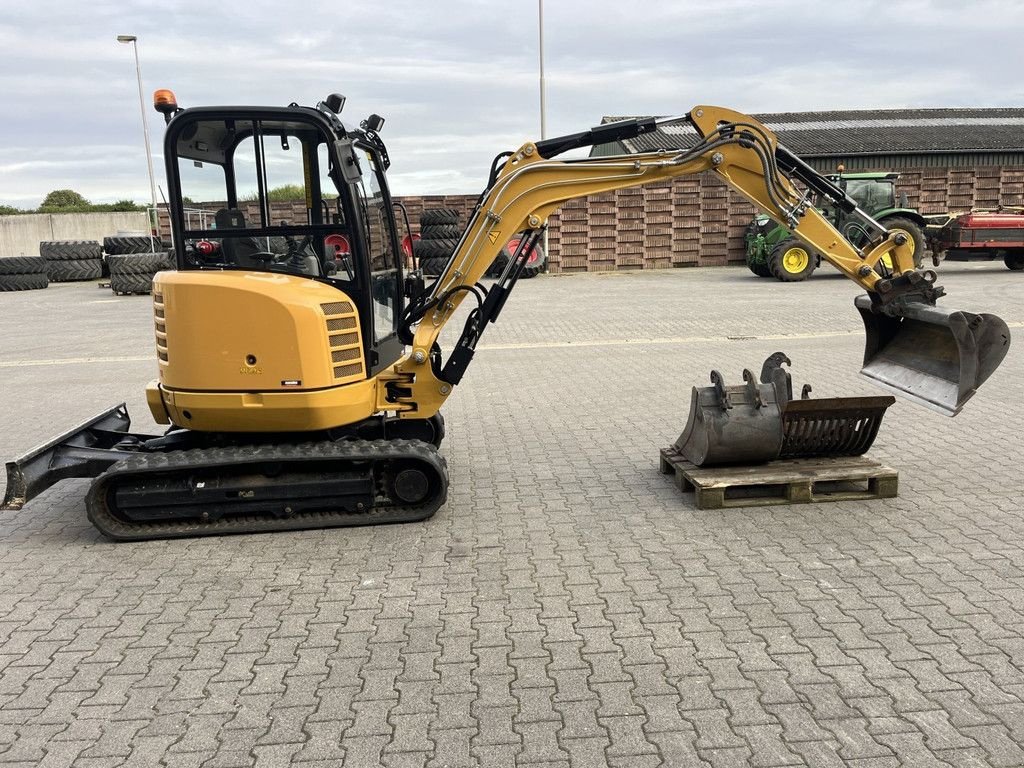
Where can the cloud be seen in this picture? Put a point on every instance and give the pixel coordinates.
(457, 80)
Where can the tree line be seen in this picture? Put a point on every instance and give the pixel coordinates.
(69, 201)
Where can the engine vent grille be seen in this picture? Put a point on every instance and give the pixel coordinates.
(343, 337)
(337, 308)
(160, 325)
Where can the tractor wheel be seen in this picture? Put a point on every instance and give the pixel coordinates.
(434, 249)
(434, 266)
(498, 265)
(125, 284)
(70, 250)
(434, 216)
(1014, 260)
(535, 260)
(23, 282)
(911, 230)
(758, 266)
(23, 265)
(441, 232)
(792, 261)
(536, 263)
(138, 263)
(121, 244)
(74, 270)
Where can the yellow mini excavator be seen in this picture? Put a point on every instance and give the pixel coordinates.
(299, 366)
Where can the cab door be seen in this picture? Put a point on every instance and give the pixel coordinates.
(385, 299)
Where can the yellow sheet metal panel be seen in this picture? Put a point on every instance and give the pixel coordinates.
(254, 331)
(271, 411)
(156, 403)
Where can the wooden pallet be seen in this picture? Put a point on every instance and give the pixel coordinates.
(789, 481)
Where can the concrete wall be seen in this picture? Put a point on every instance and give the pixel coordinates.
(21, 235)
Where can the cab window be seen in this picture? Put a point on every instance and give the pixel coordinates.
(375, 211)
(259, 195)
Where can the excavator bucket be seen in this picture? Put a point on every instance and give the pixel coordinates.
(732, 424)
(934, 357)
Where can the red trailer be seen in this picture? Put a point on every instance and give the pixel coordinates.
(979, 235)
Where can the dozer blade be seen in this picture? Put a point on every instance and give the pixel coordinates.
(85, 451)
(934, 357)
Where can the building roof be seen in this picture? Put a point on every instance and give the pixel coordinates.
(867, 132)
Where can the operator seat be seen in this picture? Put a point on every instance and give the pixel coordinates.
(237, 250)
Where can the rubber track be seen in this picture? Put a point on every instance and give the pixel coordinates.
(206, 458)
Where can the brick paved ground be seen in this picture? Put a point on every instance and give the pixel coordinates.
(567, 607)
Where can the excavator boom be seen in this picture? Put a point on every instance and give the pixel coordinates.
(929, 355)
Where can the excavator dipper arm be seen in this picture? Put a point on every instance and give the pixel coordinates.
(531, 185)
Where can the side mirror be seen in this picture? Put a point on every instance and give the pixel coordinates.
(373, 123)
(348, 161)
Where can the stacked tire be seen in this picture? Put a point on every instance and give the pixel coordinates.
(439, 234)
(132, 273)
(23, 273)
(129, 242)
(72, 260)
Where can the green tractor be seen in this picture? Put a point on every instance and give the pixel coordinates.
(773, 251)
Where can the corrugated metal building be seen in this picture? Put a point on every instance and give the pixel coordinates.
(950, 160)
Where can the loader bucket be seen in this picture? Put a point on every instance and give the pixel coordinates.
(731, 425)
(934, 357)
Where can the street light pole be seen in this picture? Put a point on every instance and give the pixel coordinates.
(543, 100)
(543, 97)
(145, 124)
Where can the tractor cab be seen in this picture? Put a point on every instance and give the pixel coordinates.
(288, 190)
(873, 192)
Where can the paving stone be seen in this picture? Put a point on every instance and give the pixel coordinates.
(567, 606)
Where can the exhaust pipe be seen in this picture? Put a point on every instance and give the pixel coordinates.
(934, 357)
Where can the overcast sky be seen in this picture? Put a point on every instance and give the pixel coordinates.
(457, 80)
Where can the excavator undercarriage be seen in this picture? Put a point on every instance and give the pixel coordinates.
(302, 386)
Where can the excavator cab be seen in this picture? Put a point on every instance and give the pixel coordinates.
(289, 191)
